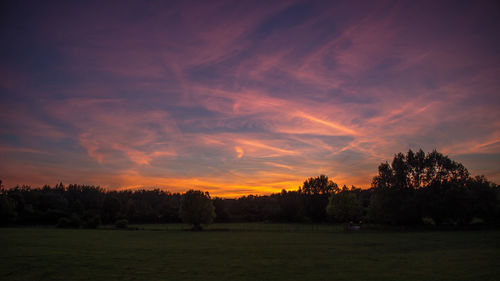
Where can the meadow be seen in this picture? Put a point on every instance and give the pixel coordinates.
(247, 251)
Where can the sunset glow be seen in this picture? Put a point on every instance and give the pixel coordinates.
(238, 98)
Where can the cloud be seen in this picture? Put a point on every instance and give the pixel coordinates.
(240, 152)
(244, 97)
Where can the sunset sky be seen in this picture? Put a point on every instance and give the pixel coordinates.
(243, 97)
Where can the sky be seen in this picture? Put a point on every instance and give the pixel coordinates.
(243, 97)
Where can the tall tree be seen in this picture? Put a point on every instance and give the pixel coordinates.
(319, 186)
(197, 208)
(440, 182)
(315, 192)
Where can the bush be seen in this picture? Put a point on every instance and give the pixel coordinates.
(92, 221)
(75, 221)
(52, 216)
(123, 223)
(72, 222)
(63, 223)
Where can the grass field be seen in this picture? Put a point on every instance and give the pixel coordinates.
(247, 252)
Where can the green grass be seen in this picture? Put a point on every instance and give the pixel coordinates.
(247, 252)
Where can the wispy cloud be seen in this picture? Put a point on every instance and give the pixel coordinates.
(243, 97)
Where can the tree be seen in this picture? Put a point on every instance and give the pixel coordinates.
(417, 185)
(8, 212)
(197, 208)
(290, 205)
(344, 206)
(110, 208)
(315, 192)
(483, 197)
(319, 186)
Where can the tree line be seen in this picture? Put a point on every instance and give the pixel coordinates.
(415, 188)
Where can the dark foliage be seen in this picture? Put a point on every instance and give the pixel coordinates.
(91, 219)
(414, 188)
(121, 223)
(417, 185)
(315, 193)
(72, 221)
(60, 205)
(344, 206)
(197, 208)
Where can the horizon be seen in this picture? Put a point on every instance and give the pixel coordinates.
(243, 98)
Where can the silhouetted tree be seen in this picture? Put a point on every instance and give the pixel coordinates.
(8, 212)
(315, 192)
(221, 210)
(110, 208)
(318, 186)
(197, 208)
(444, 192)
(484, 198)
(291, 206)
(413, 186)
(417, 185)
(7, 207)
(344, 206)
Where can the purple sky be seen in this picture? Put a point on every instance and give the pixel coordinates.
(239, 97)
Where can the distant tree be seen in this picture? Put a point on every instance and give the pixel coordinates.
(394, 206)
(250, 208)
(315, 192)
(91, 197)
(110, 208)
(496, 214)
(484, 199)
(221, 210)
(318, 186)
(444, 195)
(344, 206)
(417, 185)
(413, 186)
(77, 207)
(291, 206)
(8, 212)
(197, 208)
(50, 200)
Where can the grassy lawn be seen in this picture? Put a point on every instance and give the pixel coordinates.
(247, 252)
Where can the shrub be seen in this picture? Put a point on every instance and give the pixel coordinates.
(69, 222)
(123, 223)
(92, 221)
(63, 223)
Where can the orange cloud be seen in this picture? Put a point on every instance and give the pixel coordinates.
(240, 152)
(247, 98)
